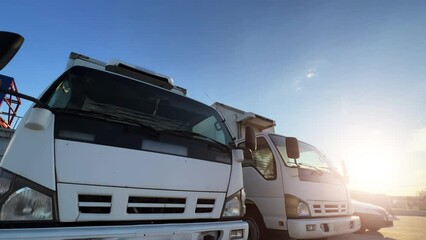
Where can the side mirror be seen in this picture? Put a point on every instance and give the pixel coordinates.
(39, 119)
(10, 43)
(238, 155)
(292, 147)
(251, 141)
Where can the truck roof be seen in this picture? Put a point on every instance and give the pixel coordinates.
(126, 69)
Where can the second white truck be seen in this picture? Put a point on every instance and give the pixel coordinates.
(291, 189)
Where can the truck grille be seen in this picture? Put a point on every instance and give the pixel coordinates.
(99, 204)
(155, 205)
(205, 205)
(82, 203)
(328, 208)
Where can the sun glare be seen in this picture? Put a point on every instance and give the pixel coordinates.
(371, 159)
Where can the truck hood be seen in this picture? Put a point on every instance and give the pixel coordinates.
(94, 164)
(105, 183)
(323, 197)
(312, 185)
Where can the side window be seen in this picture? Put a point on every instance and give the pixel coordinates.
(262, 159)
(61, 96)
(204, 128)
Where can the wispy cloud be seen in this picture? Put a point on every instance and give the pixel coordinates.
(311, 73)
(297, 84)
(300, 82)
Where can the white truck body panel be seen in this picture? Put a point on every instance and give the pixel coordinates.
(85, 62)
(237, 120)
(236, 175)
(36, 160)
(85, 163)
(5, 136)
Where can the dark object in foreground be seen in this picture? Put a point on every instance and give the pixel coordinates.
(9, 46)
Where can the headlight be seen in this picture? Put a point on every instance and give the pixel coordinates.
(6, 179)
(22, 200)
(295, 207)
(234, 205)
(27, 204)
(302, 209)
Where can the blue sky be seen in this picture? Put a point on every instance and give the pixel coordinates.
(346, 76)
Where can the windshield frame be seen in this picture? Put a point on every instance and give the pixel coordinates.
(327, 162)
(180, 99)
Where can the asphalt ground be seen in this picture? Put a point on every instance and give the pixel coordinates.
(406, 228)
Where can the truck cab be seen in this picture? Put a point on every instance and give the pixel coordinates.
(291, 188)
(115, 151)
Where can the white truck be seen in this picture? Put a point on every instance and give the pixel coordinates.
(291, 190)
(114, 151)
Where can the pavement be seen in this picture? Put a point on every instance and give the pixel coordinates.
(406, 228)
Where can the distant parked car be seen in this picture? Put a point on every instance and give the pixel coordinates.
(372, 217)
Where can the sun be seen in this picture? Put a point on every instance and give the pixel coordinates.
(372, 160)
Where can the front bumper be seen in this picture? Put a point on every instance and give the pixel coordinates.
(322, 227)
(187, 231)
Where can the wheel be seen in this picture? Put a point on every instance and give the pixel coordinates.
(257, 229)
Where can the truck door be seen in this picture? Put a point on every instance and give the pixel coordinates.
(263, 184)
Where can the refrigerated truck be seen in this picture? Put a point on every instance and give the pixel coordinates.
(115, 151)
(291, 189)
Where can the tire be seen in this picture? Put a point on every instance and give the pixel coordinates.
(257, 229)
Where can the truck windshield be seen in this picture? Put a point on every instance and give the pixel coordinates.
(309, 155)
(92, 91)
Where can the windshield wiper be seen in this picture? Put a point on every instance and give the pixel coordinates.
(213, 143)
(108, 117)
